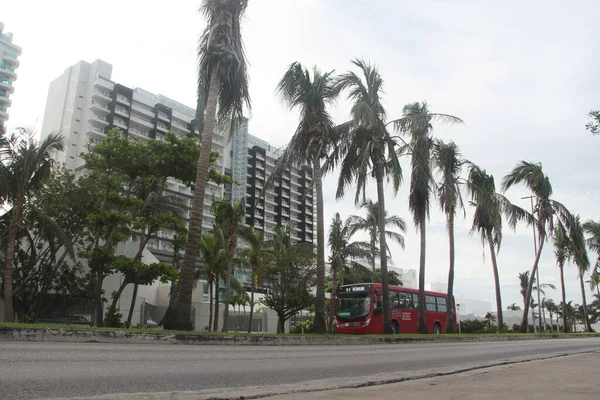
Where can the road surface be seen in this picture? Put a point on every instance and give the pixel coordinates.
(51, 370)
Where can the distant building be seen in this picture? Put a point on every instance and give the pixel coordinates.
(472, 308)
(437, 287)
(9, 54)
(409, 277)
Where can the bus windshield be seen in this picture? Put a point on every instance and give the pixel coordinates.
(353, 303)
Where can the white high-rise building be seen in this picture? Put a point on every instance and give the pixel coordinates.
(84, 103)
(9, 54)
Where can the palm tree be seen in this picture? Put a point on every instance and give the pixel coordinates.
(222, 93)
(550, 306)
(594, 282)
(213, 258)
(532, 176)
(524, 284)
(562, 253)
(229, 217)
(513, 307)
(490, 206)
(490, 319)
(344, 254)
(592, 228)
(581, 260)
(365, 150)
(370, 224)
(417, 124)
(24, 166)
(258, 255)
(448, 162)
(311, 143)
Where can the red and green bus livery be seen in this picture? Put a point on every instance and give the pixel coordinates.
(359, 309)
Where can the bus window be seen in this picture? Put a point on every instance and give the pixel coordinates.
(406, 301)
(394, 301)
(430, 303)
(441, 304)
(415, 300)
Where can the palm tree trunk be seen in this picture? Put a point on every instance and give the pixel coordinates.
(98, 304)
(387, 326)
(450, 326)
(319, 319)
(9, 312)
(210, 304)
(586, 319)
(564, 297)
(136, 285)
(231, 247)
(252, 277)
(422, 328)
(178, 314)
(333, 301)
(525, 320)
(374, 260)
(500, 318)
(217, 295)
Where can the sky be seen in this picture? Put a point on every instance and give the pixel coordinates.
(520, 75)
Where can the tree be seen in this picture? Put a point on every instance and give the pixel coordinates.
(416, 122)
(551, 307)
(289, 277)
(594, 282)
(594, 124)
(513, 307)
(344, 254)
(448, 163)
(222, 94)
(546, 211)
(581, 260)
(592, 228)
(490, 206)
(229, 219)
(562, 253)
(24, 167)
(213, 259)
(258, 254)
(366, 149)
(311, 142)
(370, 224)
(524, 284)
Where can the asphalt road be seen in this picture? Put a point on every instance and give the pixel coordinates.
(42, 370)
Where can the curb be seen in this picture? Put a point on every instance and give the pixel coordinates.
(106, 336)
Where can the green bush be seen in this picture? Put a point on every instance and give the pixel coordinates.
(304, 326)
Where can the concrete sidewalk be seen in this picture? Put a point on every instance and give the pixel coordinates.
(569, 377)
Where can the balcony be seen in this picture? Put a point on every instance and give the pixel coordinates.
(122, 111)
(120, 123)
(99, 107)
(123, 100)
(141, 121)
(8, 71)
(6, 85)
(103, 83)
(142, 110)
(10, 58)
(260, 157)
(164, 117)
(4, 99)
(100, 94)
(98, 119)
(3, 115)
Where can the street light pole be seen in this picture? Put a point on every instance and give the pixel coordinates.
(537, 274)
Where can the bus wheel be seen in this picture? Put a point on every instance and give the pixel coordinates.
(395, 327)
(437, 329)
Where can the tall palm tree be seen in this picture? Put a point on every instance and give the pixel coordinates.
(366, 149)
(24, 166)
(213, 258)
(524, 284)
(551, 307)
(229, 217)
(448, 162)
(490, 206)
(594, 282)
(344, 254)
(513, 307)
(592, 228)
(547, 212)
(370, 224)
(258, 254)
(562, 253)
(311, 94)
(416, 122)
(581, 260)
(222, 93)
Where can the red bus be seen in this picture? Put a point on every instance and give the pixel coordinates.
(359, 309)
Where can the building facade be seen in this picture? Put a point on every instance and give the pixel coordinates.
(9, 54)
(84, 103)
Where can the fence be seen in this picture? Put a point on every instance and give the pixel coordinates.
(81, 313)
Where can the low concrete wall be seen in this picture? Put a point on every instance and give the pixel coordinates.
(102, 336)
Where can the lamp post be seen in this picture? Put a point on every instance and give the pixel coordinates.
(537, 271)
(458, 316)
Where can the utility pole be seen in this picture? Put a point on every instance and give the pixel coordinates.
(537, 275)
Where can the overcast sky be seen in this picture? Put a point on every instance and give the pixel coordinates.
(520, 74)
